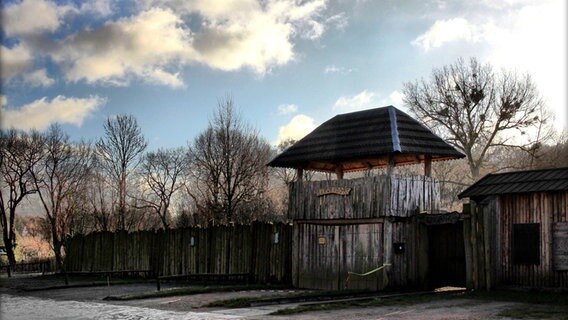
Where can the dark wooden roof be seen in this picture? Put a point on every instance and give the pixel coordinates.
(363, 140)
(519, 182)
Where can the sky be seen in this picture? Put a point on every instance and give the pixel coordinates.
(287, 65)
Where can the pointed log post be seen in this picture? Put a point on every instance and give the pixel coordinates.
(339, 171)
(428, 165)
(299, 174)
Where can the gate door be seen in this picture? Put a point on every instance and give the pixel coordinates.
(446, 255)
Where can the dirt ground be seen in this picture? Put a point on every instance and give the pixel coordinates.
(439, 308)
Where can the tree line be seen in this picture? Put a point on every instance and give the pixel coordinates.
(116, 184)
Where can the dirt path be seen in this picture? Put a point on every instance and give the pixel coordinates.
(192, 302)
(74, 302)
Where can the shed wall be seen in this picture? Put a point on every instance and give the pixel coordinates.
(545, 209)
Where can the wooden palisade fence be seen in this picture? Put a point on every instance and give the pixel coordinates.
(261, 250)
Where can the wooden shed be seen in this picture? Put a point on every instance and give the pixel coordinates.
(518, 231)
(347, 227)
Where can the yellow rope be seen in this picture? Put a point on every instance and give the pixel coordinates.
(370, 272)
(349, 273)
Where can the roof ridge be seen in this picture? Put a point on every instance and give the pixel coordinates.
(394, 129)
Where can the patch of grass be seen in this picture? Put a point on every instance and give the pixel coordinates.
(183, 291)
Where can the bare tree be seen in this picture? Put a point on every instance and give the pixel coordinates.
(286, 175)
(19, 153)
(477, 109)
(59, 179)
(161, 171)
(229, 168)
(120, 151)
(101, 196)
(541, 156)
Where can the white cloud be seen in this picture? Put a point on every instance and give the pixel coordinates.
(144, 46)
(3, 100)
(362, 100)
(533, 39)
(339, 21)
(32, 17)
(14, 61)
(444, 31)
(101, 8)
(287, 108)
(249, 34)
(335, 69)
(38, 78)
(155, 43)
(396, 98)
(159, 76)
(527, 36)
(42, 113)
(296, 129)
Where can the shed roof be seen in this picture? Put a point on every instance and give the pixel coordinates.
(543, 180)
(363, 140)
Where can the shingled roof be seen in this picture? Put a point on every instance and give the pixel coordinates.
(545, 180)
(363, 140)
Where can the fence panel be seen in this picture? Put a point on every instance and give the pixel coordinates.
(260, 249)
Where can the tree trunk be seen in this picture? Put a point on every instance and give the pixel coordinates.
(58, 257)
(474, 172)
(56, 245)
(9, 237)
(8, 243)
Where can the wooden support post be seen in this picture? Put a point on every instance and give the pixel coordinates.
(369, 168)
(299, 174)
(427, 165)
(391, 164)
(339, 171)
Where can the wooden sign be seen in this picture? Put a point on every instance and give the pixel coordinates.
(321, 240)
(560, 246)
(342, 191)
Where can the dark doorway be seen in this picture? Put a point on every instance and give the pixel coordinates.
(446, 255)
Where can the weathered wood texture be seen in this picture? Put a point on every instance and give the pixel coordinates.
(560, 246)
(337, 232)
(481, 245)
(370, 197)
(326, 253)
(547, 209)
(489, 237)
(217, 250)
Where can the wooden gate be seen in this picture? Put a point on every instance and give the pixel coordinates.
(446, 255)
(326, 253)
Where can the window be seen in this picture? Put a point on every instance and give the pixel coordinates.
(526, 243)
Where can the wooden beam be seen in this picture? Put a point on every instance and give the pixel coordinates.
(339, 171)
(299, 174)
(428, 165)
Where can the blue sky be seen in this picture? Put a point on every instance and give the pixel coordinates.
(288, 65)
